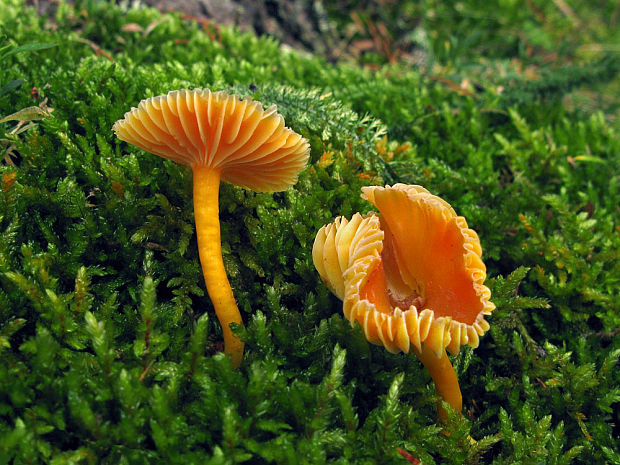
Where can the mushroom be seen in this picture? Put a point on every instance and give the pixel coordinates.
(221, 137)
(412, 277)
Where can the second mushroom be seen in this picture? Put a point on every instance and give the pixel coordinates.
(411, 276)
(221, 137)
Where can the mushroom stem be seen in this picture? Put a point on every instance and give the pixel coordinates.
(206, 213)
(444, 376)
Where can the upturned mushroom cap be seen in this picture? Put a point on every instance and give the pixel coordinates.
(333, 244)
(413, 273)
(249, 145)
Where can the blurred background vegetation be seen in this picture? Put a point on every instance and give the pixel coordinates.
(492, 43)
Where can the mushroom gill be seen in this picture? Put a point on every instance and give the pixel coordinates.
(412, 277)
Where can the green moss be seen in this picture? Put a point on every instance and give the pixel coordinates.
(109, 352)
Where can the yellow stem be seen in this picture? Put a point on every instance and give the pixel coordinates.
(206, 213)
(444, 376)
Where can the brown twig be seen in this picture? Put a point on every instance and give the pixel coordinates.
(98, 50)
(410, 458)
(146, 371)
(213, 31)
(602, 335)
(568, 11)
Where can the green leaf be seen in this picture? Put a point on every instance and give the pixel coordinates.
(33, 47)
(33, 113)
(11, 85)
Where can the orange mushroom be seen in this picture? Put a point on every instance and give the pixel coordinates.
(412, 277)
(221, 137)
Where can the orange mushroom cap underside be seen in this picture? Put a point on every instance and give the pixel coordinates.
(411, 275)
(249, 145)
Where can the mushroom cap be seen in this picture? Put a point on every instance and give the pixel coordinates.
(413, 274)
(249, 145)
(332, 246)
